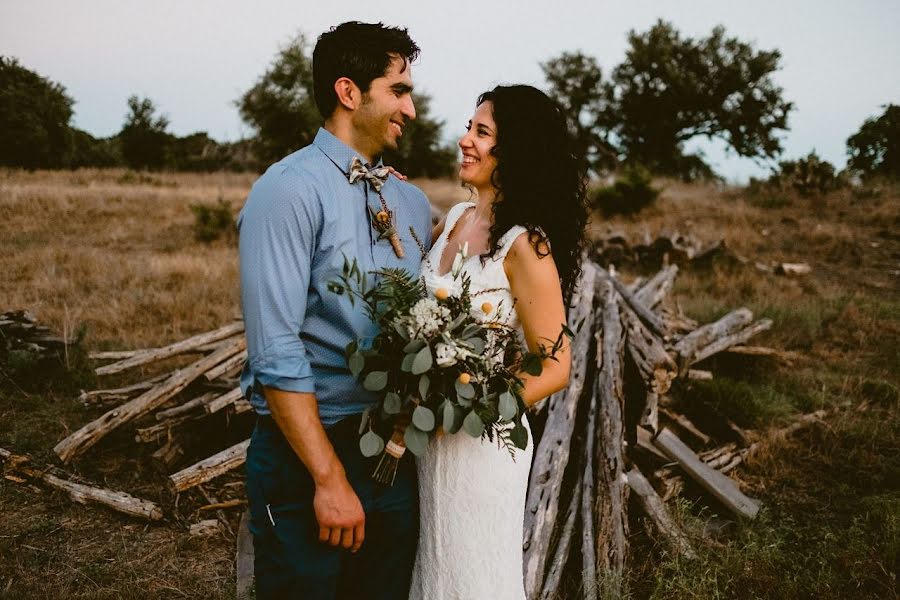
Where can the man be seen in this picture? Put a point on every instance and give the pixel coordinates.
(322, 527)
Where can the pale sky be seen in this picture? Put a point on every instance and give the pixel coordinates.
(193, 58)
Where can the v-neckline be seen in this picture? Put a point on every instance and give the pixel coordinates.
(446, 236)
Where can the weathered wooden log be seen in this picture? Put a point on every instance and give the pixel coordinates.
(81, 440)
(645, 443)
(781, 355)
(651, 293)
(714, 482)
(610, 507)
(168, 455)
(688, 346)
(726, 342)
(210, 468)
(588, 537)
(153, 433)
(222, 401)
(83, 493)
(699, 375)
(122, 393)
(649, 318)
(793, 269)
(243, 560)
(156, 354)
(550, 586)
(685, 424)
(229, 365)
(188, 407)
(552, 452)
(656, 510)
(648, 353)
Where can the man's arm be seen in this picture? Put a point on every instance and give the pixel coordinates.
(337, 507)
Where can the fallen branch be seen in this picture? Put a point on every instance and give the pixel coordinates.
(656, 510)
(210, 468)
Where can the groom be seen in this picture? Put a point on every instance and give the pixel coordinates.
(322, 528)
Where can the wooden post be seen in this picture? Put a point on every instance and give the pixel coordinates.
(243, 559)
(612, 493)
(552, 453)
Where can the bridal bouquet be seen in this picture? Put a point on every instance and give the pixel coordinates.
(440, 361)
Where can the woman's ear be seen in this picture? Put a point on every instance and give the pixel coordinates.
(348, 93)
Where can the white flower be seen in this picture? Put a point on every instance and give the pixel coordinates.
(426, 318)
(458, 261)
(445, 355)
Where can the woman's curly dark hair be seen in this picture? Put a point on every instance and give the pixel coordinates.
(539, 181)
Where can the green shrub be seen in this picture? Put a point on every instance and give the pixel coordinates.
(809, 176)
(213, 221)
(631, 192)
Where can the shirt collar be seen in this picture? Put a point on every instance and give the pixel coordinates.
(337, 151)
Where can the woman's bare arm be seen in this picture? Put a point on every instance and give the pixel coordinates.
(534, 283)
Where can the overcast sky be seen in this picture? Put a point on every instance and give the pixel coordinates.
(193, 58)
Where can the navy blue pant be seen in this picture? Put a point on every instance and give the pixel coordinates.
(290, 561)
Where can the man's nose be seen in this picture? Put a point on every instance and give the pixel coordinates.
(409, 108)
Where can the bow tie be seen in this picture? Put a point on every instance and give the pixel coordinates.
(377, 176)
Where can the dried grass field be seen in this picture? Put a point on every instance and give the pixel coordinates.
(111, 255)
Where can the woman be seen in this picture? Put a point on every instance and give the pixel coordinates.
(525, 233)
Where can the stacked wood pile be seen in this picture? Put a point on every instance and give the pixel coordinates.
(158, 408)
(19, 331)
(614, 433)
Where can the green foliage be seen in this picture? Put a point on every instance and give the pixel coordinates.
(671, 89)
(213, 221)
(34, 118)
(631, 192)
(874, 150)
(145, 142)
(576, 83)
(808, 176)
(281, 106)
(88, 151)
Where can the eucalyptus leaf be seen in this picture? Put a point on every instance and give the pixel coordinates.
(469, 331)
(507, 406)
(464, 402)
(465, 391)
(375, 381)
(519, 436)
(424, 384)
(422, 362)
(371, 444)
(406, 365)
(392, 403)
(476, 343)
(473, 425)
(356, 362)
(401, 329)
(416, 440)
(365, 420)
(532, 365)
(414, 346)
(423, 418)
(448, 416)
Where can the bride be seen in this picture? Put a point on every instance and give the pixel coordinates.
(525, 233)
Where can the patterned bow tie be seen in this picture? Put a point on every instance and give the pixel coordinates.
(376, 175)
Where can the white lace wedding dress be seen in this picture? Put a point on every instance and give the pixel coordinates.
(471, 491)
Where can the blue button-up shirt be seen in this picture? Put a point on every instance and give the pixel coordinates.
(301, 219)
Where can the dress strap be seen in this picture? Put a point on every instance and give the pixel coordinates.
(453, 215)
(507, 240)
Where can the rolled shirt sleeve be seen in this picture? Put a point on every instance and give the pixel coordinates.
(278, 230)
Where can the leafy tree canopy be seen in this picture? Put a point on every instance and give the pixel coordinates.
(875, 148)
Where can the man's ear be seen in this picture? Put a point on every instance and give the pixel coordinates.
(348, 93)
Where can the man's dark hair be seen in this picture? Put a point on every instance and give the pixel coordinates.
(360, 51)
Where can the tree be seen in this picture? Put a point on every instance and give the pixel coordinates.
(144, 140)
(671, 89)
(576, 82)
(875, 148)
(281, 106)
(34, 118)
(420, 152)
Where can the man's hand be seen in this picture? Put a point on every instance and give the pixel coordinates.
(339, 512)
